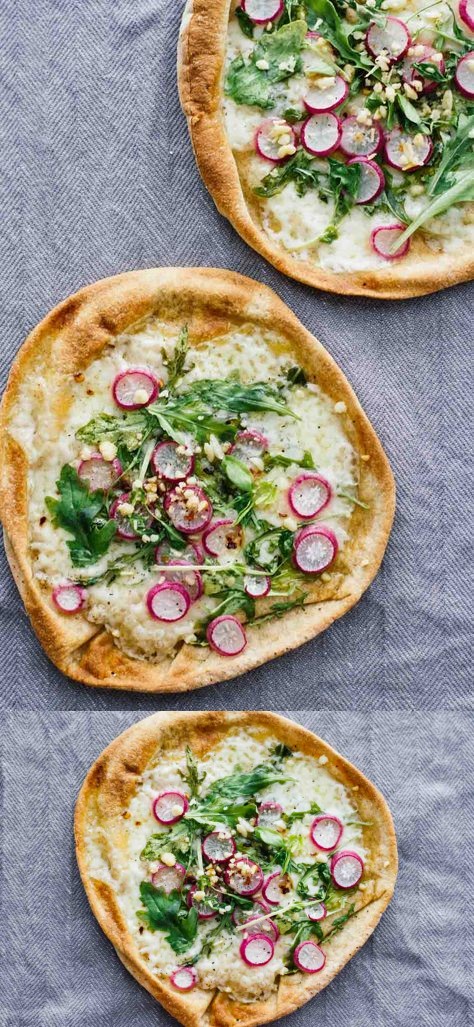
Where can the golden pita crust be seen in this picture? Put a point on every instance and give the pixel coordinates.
(210, 301)
(201, 58)
(106, 793)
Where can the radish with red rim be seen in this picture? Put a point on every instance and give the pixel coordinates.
(406, 152)
(244, 876)
(464, 75)
(192, 553)
(222, 537)
(411, 74)
(393, 38)
(181, 572)
(168, 602)
(125, 529)
(257, 950)
(226, 635)
(326, 832)
(169, 878)
(359, 140)
(165, 807)
(276, 888)
(309, 957)
(314, 549)
(316, 913)
(184, 978)
(257, 586)
(218, 847)
(188, 508)
(269, 814)
(243, 916)
(384, 239)
(321, 134)
(98, 473)
(318, 101)
(135, 388)
(346, 868)
(466, 13)
(248, 445)
(372, 180)
(268, 139)
(308, 495)
(69, 598)
(261, 11)
(203, 909)
(170, 464)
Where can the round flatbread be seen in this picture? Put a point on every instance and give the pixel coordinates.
(318, 130)
(142, 876)
(189, 486)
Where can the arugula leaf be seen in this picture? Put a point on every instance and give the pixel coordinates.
(287, 461)
(231, 601)
(246, 24)
(248, 84)
(456, 152)
(167, 913)
(343, 185)
(290, 818)
(175, 362)
(408, 110)
(300, 169)
(192, 776)
(237, 473)
(83, 515)
(245, 785)
(280, 608)
(391, 199)
(462, 191)
(296, 375)
(270, 548)
(332, 28)
(239, 398)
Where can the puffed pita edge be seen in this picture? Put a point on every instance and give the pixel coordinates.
(106, 793)
(210, 301)
(201, 56)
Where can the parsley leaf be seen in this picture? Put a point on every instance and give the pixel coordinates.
(167, 913)
(82, 514)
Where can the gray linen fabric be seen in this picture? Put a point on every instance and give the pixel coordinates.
(415, 971)
(96, 177)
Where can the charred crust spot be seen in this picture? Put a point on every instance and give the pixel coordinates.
(42, 521)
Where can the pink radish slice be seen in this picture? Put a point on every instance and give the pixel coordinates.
(403, 153)
(372, 180)
(243, 916)
(189, 509)
(246, 916)
(204, 911)
(125, 529)
(321, 134)
(261, 11)
(308, 494)
(222, 537)
(69, 598)
(317, 101)
(314, 549)
(226, 635)
(308, 957)
(360, 140)
(168, 602)
(171, 465)
(326, 832)
(257, 586)
(411, 74)
(186, 576)
(276, 887)
(315, 913)
(269, 813)
(347, 868)
(244, 876)
(99, 473)
(164, 553)
(169, 878)
(393, 38)
(217, 847)
(257, 950)
(464, 75)
(127, 384)
(248, 445)
(383, 240)
(165, 806)
(466, 13)
(184, 978)
(266, 145)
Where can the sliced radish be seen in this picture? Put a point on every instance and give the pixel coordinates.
(222, 537)
(204, 910)
(372, 180)
(185, 575)
(393, 38)
(247, 916)
(169, 807)
(218, 847)
(464, 75)
(125, 528)
(257, 950)
(406, 152)
(276, 887)
(169, 878)
(321, 134)
(226, 635)
(272, 134)
(261, 11)
(192, 553)
(135, 388)
(168, 602)
(184, 978)
(384, 239)
(466, 13)
(171, 464)
(99, 473)
(257, 586)
(269, 813)
(314, 549)
(315, 913)
(308, 957)
(244, 876)
(347, 868)
(248, 445)
(326, 832)
(411, 74)
(317, 101)
(188, 508)
(308, 494)
(69, 598)
(360, 140)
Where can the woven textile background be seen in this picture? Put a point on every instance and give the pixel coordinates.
(415, 971)
(97, 176)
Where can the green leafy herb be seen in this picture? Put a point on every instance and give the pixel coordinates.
(339, 921)
(313, 810)
(239, 398)
(191, 776)
(296, 375)
(332, 28)
(246, 24)
(175, 364)
(391, 198)
(168, 913)
(456, 153)
(408, 110)
(83, 515)
(270, 548)
(237, 473)
(287, 461)
(330, 234)
(128, 430)
(280, 608)
(462, 191)
(300, 169)
(248, 84)
(242, 785)
(343, 184)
